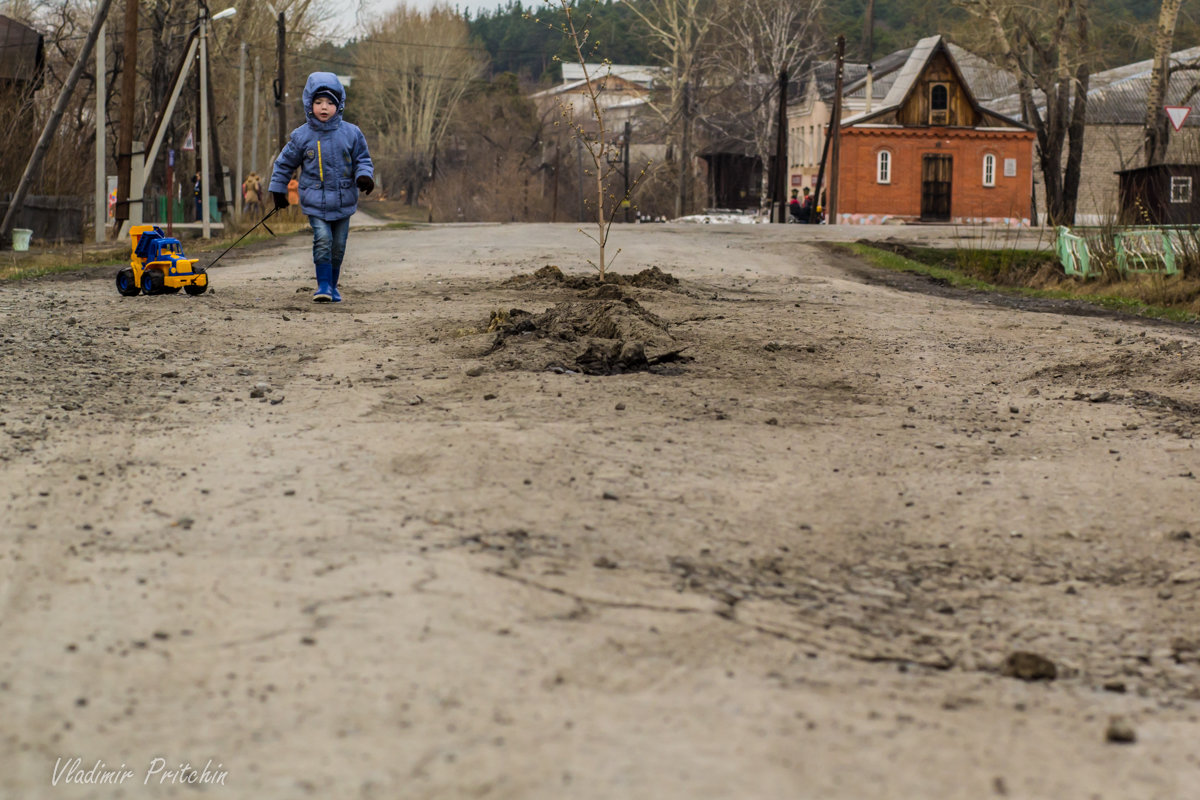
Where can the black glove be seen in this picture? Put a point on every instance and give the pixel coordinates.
(281, 201)
(365, 184)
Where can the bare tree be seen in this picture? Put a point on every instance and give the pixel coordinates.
(680, 32)
(413, 69)
(1156, 134)
(759, 39)
(592, 133)
(492, 165)
(1049, 56)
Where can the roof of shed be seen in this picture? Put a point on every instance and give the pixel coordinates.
(20, 50)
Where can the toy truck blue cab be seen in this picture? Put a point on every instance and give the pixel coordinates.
(157, 265)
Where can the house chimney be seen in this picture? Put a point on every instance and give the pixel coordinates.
(870, 86)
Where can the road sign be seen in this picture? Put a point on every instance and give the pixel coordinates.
(1177, 114)
(189, 142)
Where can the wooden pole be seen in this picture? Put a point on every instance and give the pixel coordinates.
(254, 118)
(205, 212)
(128, 106)
(625, 157)
(781, 165)
(685, 157)
(836, 138)
(101, 205)
(554, 195)
(281, 78)
(241, 128)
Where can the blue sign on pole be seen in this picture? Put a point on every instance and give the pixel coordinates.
(170, 157)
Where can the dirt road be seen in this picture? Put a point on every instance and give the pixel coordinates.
(374, 550)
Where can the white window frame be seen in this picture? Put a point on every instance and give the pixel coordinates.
(1181, 189)
(989, 170)
(883, 166)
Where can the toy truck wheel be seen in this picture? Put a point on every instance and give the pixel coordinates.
(194, 289)
(126, 285)
(152, 282)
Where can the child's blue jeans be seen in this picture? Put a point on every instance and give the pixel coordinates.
(329, 240)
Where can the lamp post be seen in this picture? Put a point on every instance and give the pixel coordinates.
(205, 213)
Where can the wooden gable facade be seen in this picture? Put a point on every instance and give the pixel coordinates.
(931, 153)
(940, 97)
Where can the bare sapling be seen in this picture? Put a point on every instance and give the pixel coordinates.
(604, 151)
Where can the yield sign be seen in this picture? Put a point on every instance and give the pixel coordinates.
(1177, 114)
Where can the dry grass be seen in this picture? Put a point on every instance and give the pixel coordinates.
(1037, 274)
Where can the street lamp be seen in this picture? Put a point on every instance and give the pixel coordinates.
(205, 213)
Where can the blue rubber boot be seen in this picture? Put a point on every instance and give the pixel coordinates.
(333, 290)
(324, 293)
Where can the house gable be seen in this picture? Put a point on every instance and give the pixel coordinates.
(930, 91)
(939, 96)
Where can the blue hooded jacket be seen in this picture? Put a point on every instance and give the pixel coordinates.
(331, 156)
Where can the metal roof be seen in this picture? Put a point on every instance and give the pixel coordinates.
(906, 77)
(1117, 96)
(646, 76)
(985, 80)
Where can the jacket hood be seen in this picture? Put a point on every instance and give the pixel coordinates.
(316, 82)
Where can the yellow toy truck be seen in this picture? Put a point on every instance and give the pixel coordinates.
(157, 265)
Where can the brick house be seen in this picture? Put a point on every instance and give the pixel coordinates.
(864, 89)
(930, 152)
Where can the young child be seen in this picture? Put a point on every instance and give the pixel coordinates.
(334, 165)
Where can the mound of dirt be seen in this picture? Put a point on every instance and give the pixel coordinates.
(595, 337)
(551, 277)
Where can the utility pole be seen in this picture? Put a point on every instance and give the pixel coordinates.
(868, 40)
(205, 213)
(554, 196)
(281, 78)
(128, 105)
(835, 145)
(60, 107)
(254, 121)
(681, 202)
(781, 165)
(219, 170)
(241, 127)
(101, 205)
(625, 157)
(834, 124)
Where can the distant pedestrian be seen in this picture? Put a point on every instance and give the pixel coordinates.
(334, 165)
(252, 195)
(794, 207)
(197, 187)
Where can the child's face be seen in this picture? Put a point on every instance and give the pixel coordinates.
(324, 108)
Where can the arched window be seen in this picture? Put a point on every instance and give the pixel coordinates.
(939, 97)
(883, 166)
(989, 170)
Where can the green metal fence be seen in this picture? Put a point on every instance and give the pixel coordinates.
(1131, 250)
